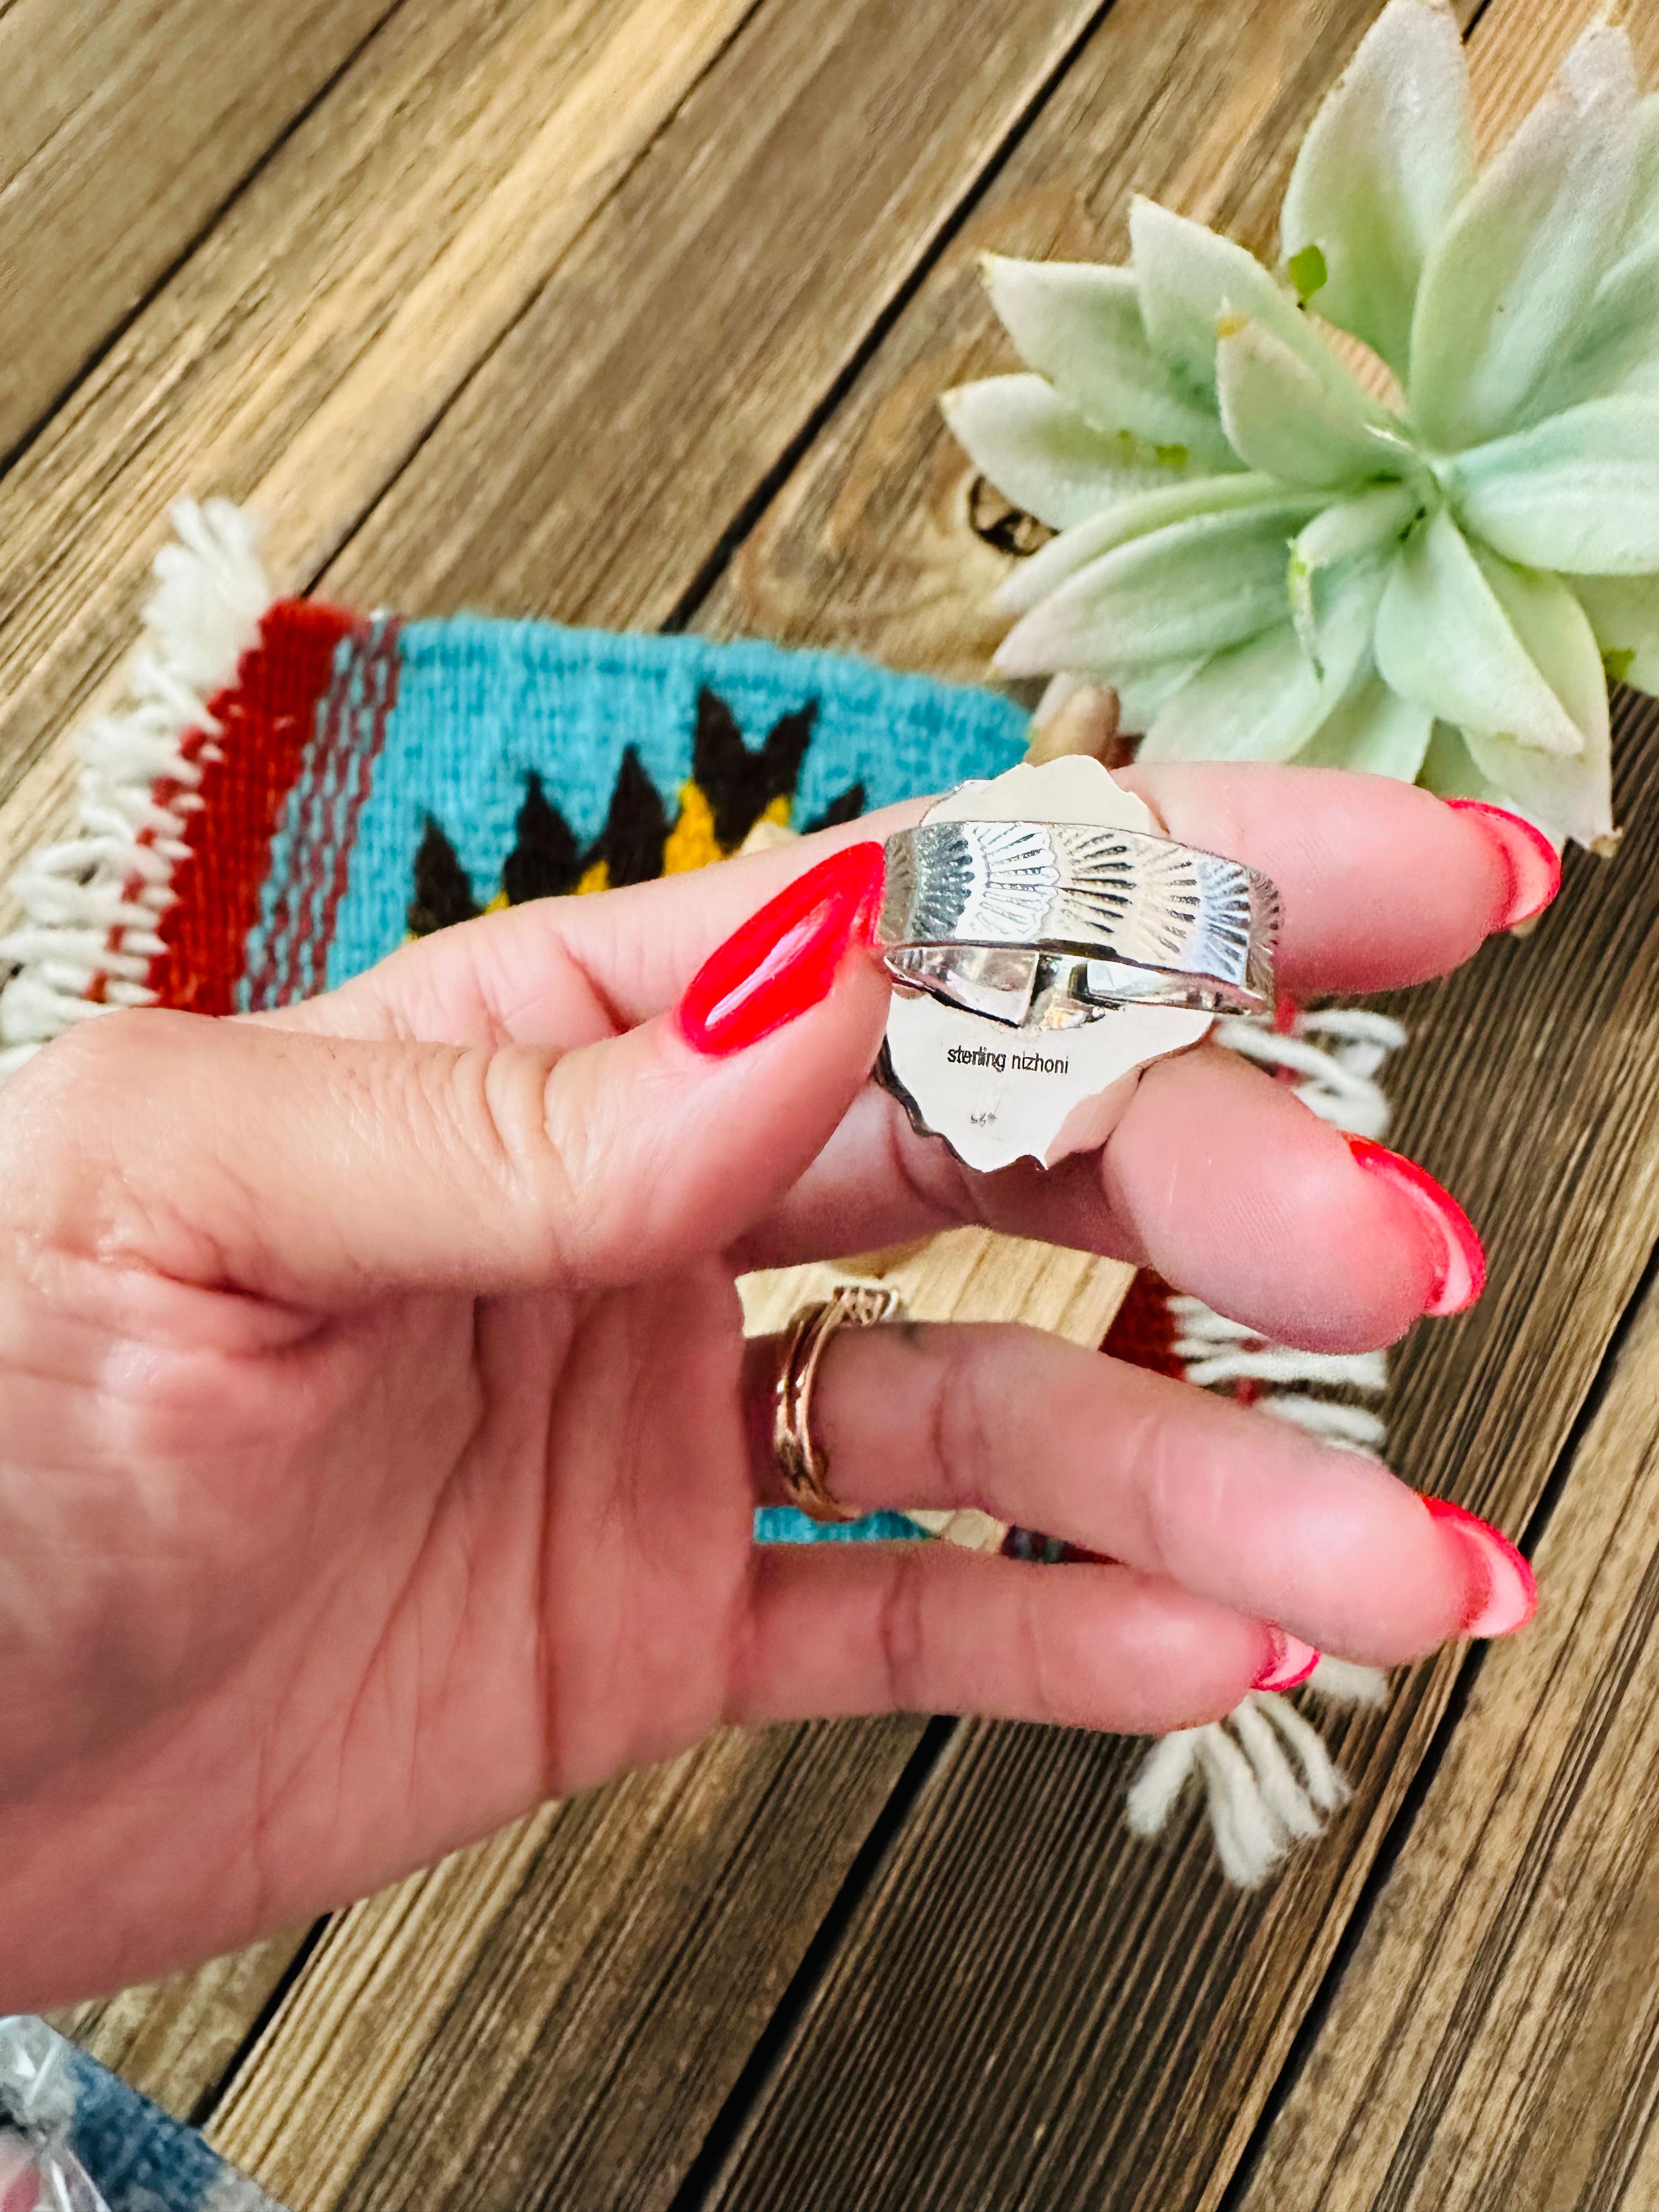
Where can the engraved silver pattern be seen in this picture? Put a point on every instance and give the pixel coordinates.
(1153, 919)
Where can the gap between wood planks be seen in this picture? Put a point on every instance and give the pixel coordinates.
(1312, 2029)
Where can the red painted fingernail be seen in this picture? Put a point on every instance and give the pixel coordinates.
(1289, 1661)
(784, 958)
(1503, 1590)
(1532, 864)
(1460, 1272)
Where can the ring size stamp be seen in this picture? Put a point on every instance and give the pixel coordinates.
(1047, 942)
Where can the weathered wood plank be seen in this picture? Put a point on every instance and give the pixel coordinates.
(177, 2039)
(1495, 2039)
(1178, 2000)
(299, 355)
(122, 128)
(621, 430)
(524, 2025)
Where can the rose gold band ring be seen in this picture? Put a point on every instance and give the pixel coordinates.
(804, 1470)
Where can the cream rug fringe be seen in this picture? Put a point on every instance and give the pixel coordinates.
(91, 904)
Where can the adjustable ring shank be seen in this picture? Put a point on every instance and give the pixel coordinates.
(991, 915)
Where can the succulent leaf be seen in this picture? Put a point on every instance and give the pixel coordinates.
(1192, 588)
(1142, 688)
(1617, 350)
(1568, 796)
(1445, 640)
(1449, 768)
(1192, 282)
(1578, 492)
(1079, 325)
(1388, 159)
(1041, 454)
(1373, 730)
(1264, 700)
(1133, 517)
(1265, 561)
(1281, 420)
(1624, 613)
(1373, 521)
(1516, 268)
(1641, 223)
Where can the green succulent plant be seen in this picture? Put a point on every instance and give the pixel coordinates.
(1267, 560)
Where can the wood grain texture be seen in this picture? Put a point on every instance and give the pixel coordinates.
(617, 436)
(301, 354)
(555, 2017)
(177, 2040)
(1495, 2040)
(123, 127)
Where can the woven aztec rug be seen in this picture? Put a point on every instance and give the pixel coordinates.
(73, 2138)
(296, 789)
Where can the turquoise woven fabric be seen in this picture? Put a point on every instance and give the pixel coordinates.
(454, 763)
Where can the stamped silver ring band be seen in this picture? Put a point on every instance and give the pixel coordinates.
(1061, 922)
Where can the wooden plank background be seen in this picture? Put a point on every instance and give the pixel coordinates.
(636, 312)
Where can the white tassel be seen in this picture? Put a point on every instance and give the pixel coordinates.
(91, 904)
(1260, 1800)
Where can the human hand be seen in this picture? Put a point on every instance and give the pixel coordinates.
(377, 1441)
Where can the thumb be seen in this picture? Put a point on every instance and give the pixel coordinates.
(316, 1169)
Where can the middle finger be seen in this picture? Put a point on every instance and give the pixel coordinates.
(1216, 1175)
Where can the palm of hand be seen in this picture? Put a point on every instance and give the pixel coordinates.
(450, 1556)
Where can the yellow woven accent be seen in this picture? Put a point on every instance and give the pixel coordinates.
(596, 878)
(691, 843)
(497, 904)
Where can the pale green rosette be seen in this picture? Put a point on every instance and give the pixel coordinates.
(1267, 561)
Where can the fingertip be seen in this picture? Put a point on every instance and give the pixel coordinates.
(1149, 1657)
(1500, 1590)
(1457, 1257)
(1241, 1195)
(1530, 865)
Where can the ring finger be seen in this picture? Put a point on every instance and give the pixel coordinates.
(1231, 1506)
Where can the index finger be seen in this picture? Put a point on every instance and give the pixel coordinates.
(1383, 885)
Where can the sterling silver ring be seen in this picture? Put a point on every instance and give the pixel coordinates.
(1052, 924)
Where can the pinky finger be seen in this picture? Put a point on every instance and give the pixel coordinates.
(838, 1629)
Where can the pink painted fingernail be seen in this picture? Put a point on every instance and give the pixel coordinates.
(1461, 1271)
(1502, 1589)
(1289, 1661)
(1532, 864)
